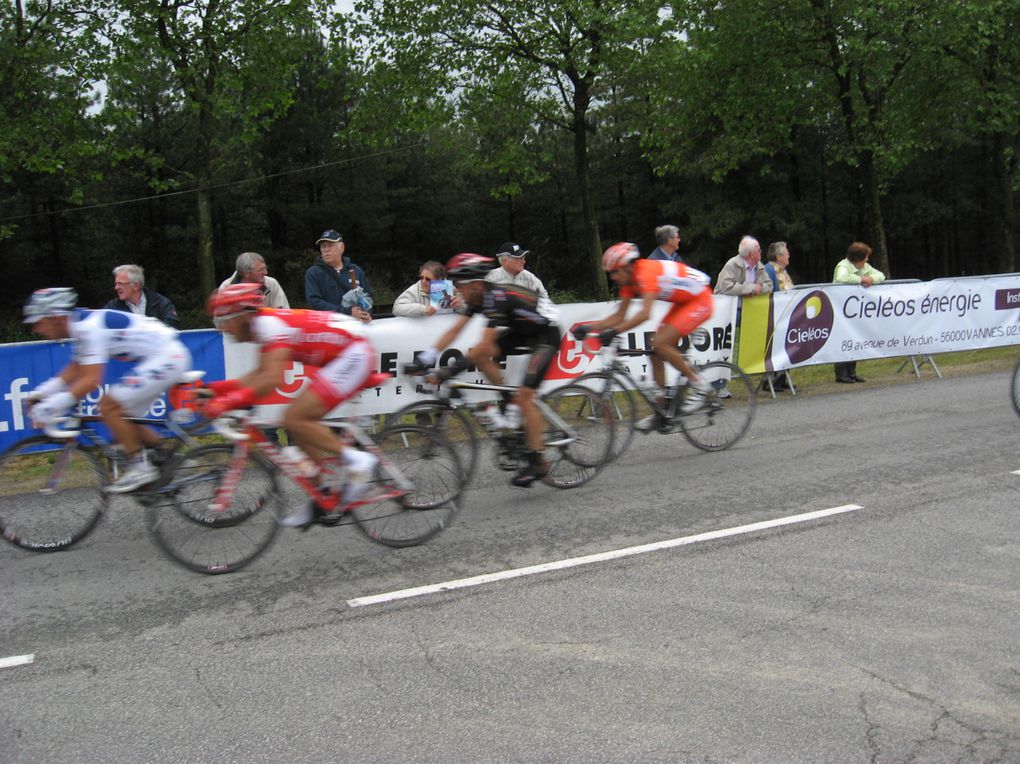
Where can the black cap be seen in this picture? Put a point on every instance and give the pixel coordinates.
(509, 249)
(330, 234)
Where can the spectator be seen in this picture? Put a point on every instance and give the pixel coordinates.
(251, 269)
(667, 237)
(336, 283)
(778, 261)
(744, 275)
(416, 300)
(854, 269)
(133, 297)
(511, 271)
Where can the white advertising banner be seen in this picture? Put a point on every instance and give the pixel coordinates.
(837, 323)
(396, 341)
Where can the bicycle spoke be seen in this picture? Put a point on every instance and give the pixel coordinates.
(213, 539)
(727, 412)
(580, 443)
(420, 480)
(51, 494)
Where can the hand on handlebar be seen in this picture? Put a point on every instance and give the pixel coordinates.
(606, 336)
(237, 399)
(581, 331)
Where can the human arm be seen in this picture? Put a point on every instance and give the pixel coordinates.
(316, 295)
(409, 303)
(762, 280)
(729, 280)
(163, 309)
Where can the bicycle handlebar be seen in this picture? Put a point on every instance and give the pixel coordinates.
(57, 431)
(226, 424)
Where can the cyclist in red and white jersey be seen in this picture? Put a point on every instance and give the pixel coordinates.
(650, 280)
(338, 358)
(99, 335)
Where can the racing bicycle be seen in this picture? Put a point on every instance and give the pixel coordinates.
(718, 424)
(578, 428)
(228, 496)
(52, 486)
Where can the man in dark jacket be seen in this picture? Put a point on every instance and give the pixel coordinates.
(335, 283)
(133, 297)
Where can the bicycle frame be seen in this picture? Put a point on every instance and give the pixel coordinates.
(249, 435)
(547, 413)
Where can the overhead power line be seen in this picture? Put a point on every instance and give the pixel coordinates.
(214, 187)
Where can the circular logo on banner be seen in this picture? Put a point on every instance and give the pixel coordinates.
(810, 327)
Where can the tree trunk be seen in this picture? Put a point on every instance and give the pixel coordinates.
(593, 242)
(873, 213)
(206, 271)
(1002, 220)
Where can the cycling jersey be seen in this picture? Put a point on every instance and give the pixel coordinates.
(515, 308)
(100, 335)
(665, 280)
(333, 346)
(314, 336)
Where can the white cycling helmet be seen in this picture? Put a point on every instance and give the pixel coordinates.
(53, 301)
(619, 255)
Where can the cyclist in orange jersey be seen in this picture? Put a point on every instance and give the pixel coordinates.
(691, 297)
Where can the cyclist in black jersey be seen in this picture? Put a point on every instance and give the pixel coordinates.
(517, 318)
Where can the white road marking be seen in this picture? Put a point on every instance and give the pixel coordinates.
(615, 554)
(16, 660)
(1015, 472)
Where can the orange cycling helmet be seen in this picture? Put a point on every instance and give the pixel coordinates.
(468, 266)
(619, 255)
(234, 299)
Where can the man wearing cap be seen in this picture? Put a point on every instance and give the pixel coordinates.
(511, 271)
(335, 283)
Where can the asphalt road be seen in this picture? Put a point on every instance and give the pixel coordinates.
(888, 633)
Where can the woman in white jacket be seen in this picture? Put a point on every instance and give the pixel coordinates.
(416, 300)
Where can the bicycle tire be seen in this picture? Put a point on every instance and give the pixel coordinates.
(207, 541)
(1016, 388)
(51, 493)
(583, 410)
(433, 468)
(723, 419)
(457, 428)
(626, 404)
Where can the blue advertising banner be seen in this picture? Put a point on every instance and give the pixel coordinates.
(25, 365)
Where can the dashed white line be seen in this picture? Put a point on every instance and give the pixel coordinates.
(1015, 472)
(487, 578)
(16, 660)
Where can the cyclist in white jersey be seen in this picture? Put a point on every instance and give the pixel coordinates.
(98, 335)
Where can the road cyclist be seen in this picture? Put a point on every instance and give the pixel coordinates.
(159, 361)
(688, 291)
(516, 318)
(337, 357)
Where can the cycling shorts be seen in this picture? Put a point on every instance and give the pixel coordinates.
(144, 383)
(685, 317)
(344, 376)
(543, 346)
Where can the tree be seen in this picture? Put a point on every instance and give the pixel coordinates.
(232, 61)
(553, 60)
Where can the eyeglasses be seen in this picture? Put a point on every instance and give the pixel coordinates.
(122, 283)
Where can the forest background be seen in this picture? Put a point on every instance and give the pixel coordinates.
(177, 134)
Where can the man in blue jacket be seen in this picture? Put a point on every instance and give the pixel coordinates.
(336, 283)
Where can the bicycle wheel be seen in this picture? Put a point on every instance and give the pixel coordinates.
(209, 540)
(51, 493)
(456, 427)
(728, 410)
(625, 403)
(1016, 388)
(423, 460)
(577, 454)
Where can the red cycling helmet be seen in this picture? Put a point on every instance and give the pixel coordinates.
(619, 255)
(234, 299)
(468, 266)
